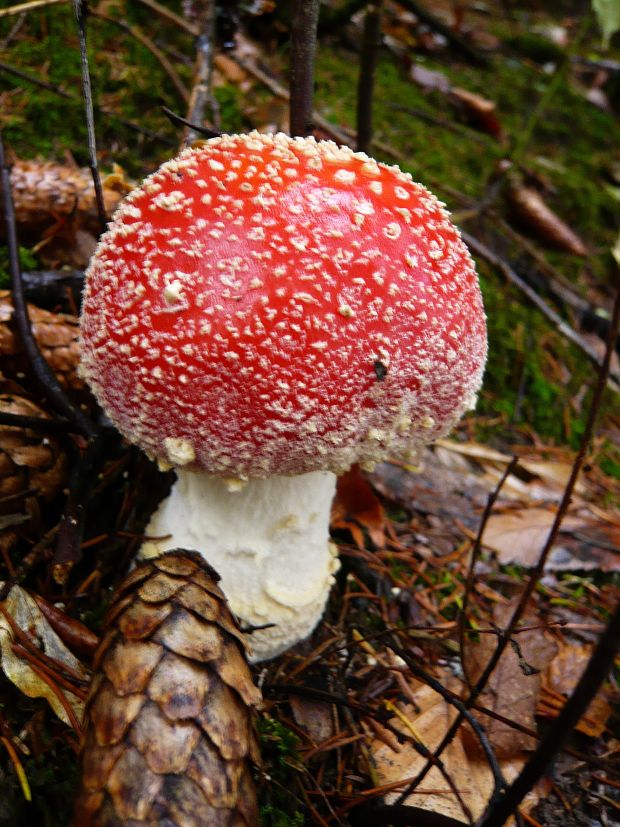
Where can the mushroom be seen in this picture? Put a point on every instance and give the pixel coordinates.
(262, 313)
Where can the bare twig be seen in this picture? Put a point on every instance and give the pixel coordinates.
(453, 37)
(43, 374)
(280, 91)
(303, 48)
(505, 635)
(35, 423)
(177, 120)
(137, 34)
(366, 82)
(80, 12)
(35, 81)
(475, 552)
(565, 329)
(201, 95)
(20, 8)
(593, 676)
(168, 14)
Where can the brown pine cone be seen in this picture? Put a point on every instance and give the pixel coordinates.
(169, 737)
(44, 192)
(55, 333)
(33, 469)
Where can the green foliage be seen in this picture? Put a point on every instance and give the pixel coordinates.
(28, 261)
(608, 15)
(279, 751)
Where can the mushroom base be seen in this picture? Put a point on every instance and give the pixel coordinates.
(269, 542)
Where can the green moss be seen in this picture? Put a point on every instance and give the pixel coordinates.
(281, 761)
(27, 259)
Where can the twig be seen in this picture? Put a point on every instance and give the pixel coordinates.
(449, 697)
(148, 44)
(20, 8)
(280, 91)
(371, 38)
(469, 583)
(35, 423)
(149, 133)
(459, 43)
(177, 120)
(565, 329)
(201, 95)
(593, 676)
(44, 376)
(304, 24)
(272, 690)
(80, 11)
(505, 635)
(168, 14)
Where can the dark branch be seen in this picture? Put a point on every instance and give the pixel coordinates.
(368, 63)
(303, 49)
(80, 9)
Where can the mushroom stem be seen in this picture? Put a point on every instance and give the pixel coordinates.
(269, 541)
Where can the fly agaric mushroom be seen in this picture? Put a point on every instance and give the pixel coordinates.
(262, 313)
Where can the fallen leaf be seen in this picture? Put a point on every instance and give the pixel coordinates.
(560, 679)
(518, 536)
(532, 210)
(25, 613)
(462, 759)
(357, 508)
(429, 79)
(314, 717)
(480, 112)
(514, 685)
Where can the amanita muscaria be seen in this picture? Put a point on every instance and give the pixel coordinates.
(262, 313)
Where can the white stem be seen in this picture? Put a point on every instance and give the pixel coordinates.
(268, 540)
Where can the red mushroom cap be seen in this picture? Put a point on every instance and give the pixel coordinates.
(266, 305)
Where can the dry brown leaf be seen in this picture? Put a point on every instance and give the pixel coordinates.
(480, 112)
(531, 209)
(561, 677)
(25, 613)
(514, 685)
(518, 536)
(314, 717)
(462, 760)
(356, 507)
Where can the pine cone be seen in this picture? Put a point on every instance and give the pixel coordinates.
(33, 469)
(44, 192)
(169, 737)
(55, 333)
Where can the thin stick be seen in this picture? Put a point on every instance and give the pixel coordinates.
(168, 14)
(149, 133)
(371, 38)
(303, 49)
(35, 423)
(593, 676)
(43, 374)
(31, 6)
(148, 44)
(505, 635)
(79, 10)
(201, 95)
(567, 331)
(469, 583)
(280, 91)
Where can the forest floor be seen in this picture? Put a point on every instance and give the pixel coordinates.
(510, 115)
